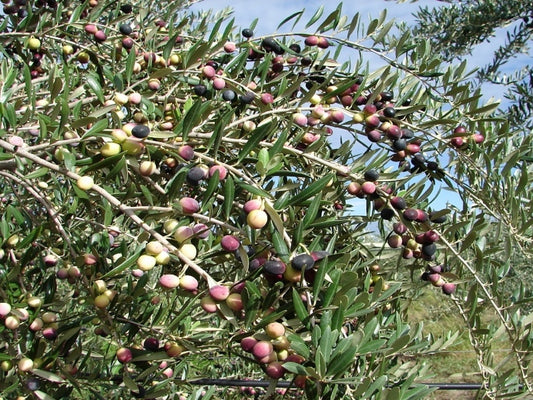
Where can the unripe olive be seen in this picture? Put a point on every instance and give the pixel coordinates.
(188, 250)
(119, 135)
(5, 309)
(257, 219)
(292, 274)
(170, 225)
(234, 302)
(110, 149)
(101, 301)
(173, 349)
(249, 126)
(154, 248)
(49, 317)
(85, 182)
(37, 324)
(110, 294)
(133, 146)
(146, 262)
(275, 330)
(162, 258)
(281, 343)
(34, 301)
(6, 365)
(208, 304)
(120, 98)
(174, 59)
(189, 283)
(33, 43)
(13, 240)
(12, 322)
(83, 57)
(25, 364)
(147, 168)
(21, 313)
(67, 49)
(183, 233)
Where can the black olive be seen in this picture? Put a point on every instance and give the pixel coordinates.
(140, 131)
(303, 262)
(274, 267)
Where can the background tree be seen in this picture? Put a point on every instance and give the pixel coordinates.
(455, 30)
(182, 199)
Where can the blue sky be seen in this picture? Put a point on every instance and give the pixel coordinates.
(271, 12)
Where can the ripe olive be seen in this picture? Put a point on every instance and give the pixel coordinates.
(303, 262)
(140, 131)
(274, 267)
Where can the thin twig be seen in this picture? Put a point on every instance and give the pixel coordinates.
(52, 212)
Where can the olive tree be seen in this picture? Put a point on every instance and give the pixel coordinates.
(183, 199)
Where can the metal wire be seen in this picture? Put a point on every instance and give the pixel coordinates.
(288, 384)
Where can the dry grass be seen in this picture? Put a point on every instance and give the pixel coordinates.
(457, 363)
